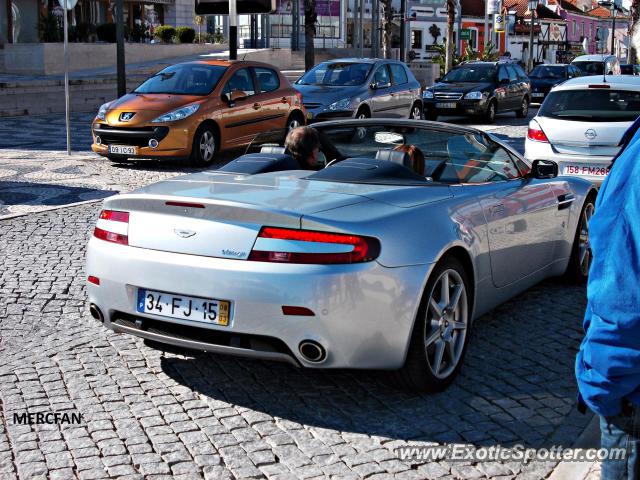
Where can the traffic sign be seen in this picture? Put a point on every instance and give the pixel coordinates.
(498, 23)
(465, 34)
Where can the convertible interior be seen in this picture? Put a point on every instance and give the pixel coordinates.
(378, 154)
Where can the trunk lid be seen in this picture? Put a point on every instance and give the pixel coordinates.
(220, 215)
(583, 138)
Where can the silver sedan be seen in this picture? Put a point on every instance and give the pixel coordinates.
(379, 260)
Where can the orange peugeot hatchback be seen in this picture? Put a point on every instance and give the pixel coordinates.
(191, 110)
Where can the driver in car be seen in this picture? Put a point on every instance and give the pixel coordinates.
(303, 143)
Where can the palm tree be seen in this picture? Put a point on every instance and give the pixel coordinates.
(199, 21)
(310, 20)
(387, 19)
(451, 20)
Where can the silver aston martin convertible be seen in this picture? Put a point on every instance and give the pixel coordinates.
(374, 261)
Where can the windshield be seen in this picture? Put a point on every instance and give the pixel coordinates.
(337, 74)
(592, 105)
(184, 79)
(477, 73)
(590, 68)
(542, 71)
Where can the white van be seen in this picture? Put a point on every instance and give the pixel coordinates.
(597, 64)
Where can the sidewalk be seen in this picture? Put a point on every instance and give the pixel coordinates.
(590, 438)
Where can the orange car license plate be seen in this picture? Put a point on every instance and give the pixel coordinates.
(123, 150)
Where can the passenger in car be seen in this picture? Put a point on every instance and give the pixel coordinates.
(303, 143)
(416, 155)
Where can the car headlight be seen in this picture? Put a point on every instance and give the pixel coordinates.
(343, 104)
(102, 111)
(474, 96)
(427, 94)
(179, 114)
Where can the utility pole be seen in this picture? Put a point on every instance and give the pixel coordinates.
(295, 26)
(613, 29)
(233, 30)
(120, 69)
(533, 4)
(486, 24)
(375, 28)
(403, 29)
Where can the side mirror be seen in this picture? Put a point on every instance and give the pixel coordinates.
(439, 79)
(544, 169)
(238, 95)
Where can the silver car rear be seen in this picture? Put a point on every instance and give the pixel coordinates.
(581, 124)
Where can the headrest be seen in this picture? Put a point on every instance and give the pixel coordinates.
(401, 158)
(273, 149)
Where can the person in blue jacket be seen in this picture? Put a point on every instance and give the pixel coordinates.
(608, 363)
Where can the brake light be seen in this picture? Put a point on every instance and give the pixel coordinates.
(283, 245)
(537, 135)
(113, 226)
(600, 86)
(299, 95)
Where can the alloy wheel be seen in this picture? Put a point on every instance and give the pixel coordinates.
(293, 123)
(446, 324)
(584, 244)
(207, 146)
(525, 108)
(416, 112)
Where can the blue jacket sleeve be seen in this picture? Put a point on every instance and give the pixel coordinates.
(608, 363)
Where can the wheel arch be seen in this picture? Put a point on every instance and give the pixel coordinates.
(364, 106)
(212, 123)
(461, 254)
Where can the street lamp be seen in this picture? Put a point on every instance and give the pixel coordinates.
(533, 7)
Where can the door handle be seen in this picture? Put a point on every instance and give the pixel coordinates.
(283, 100)
(256, 106)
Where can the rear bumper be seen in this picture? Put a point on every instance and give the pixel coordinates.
(364, 313)
(589, 168)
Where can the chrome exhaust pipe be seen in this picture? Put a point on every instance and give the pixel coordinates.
(95, 312)
(312, 351)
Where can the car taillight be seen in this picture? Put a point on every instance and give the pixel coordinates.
(537, 135)
(299, 95)
(283, 245)
(113, 226)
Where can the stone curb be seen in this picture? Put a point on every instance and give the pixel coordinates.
(589, 438)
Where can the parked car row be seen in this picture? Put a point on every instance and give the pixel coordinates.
(191, 110)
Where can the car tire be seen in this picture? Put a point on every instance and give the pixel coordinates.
(295, 120)
(523, 111)
(490, 114)
(581, 256)
(360, 133)
(441, 330)
(416, 112)
(205, 145)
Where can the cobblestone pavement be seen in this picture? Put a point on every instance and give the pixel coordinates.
(149, 414)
